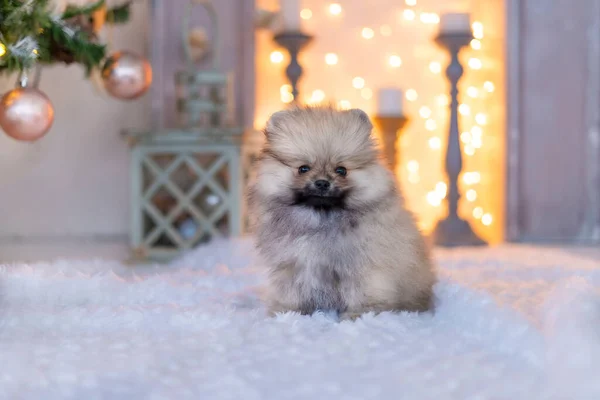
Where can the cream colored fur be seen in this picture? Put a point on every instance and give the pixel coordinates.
(365, 256)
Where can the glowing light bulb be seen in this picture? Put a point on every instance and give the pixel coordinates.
(472, 91)
(306, 13)
(471, 195)
(411, 95)
(411, 3)
(345, 104)
(434, 199)
(366, 93)
(481, 118)
(435, 67)
(486, 219)
(385, 30)
(488, 86)
(331, 58)
(464, 109)
(465, 137)
(335, 9)
(425, 112)
(276, 57)
(367, 33)
(2, 49)
(358, 82)
(475, 63)
(413, 166)
(395, 61)
(475, 44)
(430, 125)
(435, 143)
(478, 212)
(441, 189)
(477, 30)
(409, 15)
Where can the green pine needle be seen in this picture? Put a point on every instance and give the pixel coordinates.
(57, 40)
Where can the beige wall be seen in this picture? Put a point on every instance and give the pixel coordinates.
(74, 182)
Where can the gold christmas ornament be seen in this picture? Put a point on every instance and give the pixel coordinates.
(126, 75)
(198, 44)
(26, 114)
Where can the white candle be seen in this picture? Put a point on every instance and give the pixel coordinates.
(389, 102)
(290, 13)
(455, 23)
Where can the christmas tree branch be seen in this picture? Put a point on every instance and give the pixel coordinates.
(30, 33)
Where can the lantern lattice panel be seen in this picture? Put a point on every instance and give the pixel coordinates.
(183, 195)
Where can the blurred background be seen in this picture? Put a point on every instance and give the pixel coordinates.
(528, 104)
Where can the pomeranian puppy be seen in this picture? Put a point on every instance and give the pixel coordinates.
(330, 223)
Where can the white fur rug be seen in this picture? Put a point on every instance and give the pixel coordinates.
(511, 323)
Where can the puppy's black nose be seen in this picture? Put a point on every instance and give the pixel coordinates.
(322, 184)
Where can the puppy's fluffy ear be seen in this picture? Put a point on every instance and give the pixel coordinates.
(275, 123)
(361, 117)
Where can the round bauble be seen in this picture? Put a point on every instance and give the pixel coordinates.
(126, 75)
(26, 114)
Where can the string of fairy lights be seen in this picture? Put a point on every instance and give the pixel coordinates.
(431, 116)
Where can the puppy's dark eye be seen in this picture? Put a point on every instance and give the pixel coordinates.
(341, 171)
(303, 169)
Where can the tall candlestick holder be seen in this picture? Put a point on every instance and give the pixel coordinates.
(293, 42)
(390, 129)
(453, 230)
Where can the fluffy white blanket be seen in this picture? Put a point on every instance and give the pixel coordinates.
(512, 323)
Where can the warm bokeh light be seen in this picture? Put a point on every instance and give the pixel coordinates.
(395, 61)
(471, 195)
(429, 18)
(425, 112)
(486, 219)
(276, 57)
(409, 15)
(477, 30)
(345, 104)
(464, 109)
(331, 59)
(2, 50)
(472, 91)
(376, 54)
(367, 33)
(431, 125)
(306, 14)
(411, 95)
(412, 166)
(475, 63)
(488, 86)
(435, 143)
(358, 82)
(385, 30)
(366, 93)
(435, 67)
(335, 9)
